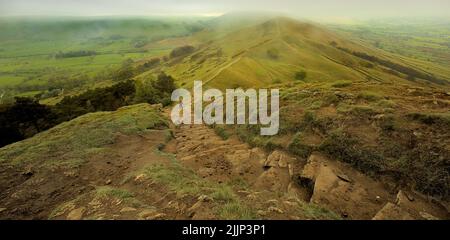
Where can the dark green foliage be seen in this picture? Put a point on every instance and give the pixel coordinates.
(73, 54)
(300, 75)
(155, 91)
(403, 159)
(221, 131)
(410, 72)
(431, 118)
(100, 99)
(412, 163)
(23, 119)
(347, 149)
(273, 53)
(62, 81)
(182, 51)
(299, 148)
(27, 117)
(309, 119)
(149, 65)
(388, 123)
(125, 72)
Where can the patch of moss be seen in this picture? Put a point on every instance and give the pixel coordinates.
(431, 118)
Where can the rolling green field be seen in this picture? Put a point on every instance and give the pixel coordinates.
(29, 47)
(422, 39)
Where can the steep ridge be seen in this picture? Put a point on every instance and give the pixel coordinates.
(275, 50)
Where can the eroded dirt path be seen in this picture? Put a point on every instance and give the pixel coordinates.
(199, 175)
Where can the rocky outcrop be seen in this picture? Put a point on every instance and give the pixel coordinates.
(342, 189)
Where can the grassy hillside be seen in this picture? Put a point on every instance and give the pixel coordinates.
(426, 40)
(71, 143)
(55, 158)
(276, 50)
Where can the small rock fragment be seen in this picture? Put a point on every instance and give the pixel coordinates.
(274, 209)
(428, 216)
(76, 214)
(127, 209)
(344, 177)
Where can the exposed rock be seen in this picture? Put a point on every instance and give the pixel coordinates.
(108, 182)
(76, 214)
(291, 170)
(416, 204)
(193, 209)
(428, 216)
(189, 158)
(95, 203)
(157, 216)
(344, 177)
(70, 173)
(392, 212)
(274, 209)
(200, 211)
(139, 177)
(261, 213)
(291, 204)
(377, 198)
(274, 179)
(147, 213)
(243, 191)
(338, 192)
(379, 116)
(158, 106)
(257, 155)
(127, 209)
(312, 167)
(402, 198)
(28, 172)
(272, 159)
(283, 161)
(2, 210)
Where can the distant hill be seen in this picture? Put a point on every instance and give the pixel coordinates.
(274, 51)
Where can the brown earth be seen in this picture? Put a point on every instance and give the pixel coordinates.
(274, 185)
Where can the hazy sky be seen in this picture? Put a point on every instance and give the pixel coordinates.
(305, 8)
